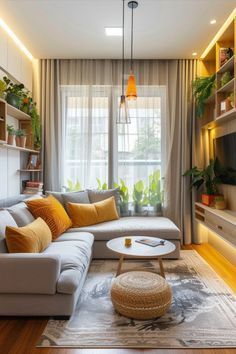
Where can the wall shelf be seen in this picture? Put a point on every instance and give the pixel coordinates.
(26, 170)
(223, 118)
(229, 65)
(17, 113)
(14, 147)
(229, 87)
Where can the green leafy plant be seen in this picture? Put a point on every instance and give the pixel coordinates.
(209, 177)
(101, 185)
(154, 190)
(124, 191)
(3, 87)
(36, 125)
(226, 77)
(202, 89)
(17, 89)
(20, 132)
(138, 192)
(73, 187)
(10, 129)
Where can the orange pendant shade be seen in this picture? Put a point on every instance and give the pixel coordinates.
(131, 91)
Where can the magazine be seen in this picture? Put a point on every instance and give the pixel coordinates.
(151, 243)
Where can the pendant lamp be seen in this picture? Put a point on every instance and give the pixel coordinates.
(131, 90)
(123, 116)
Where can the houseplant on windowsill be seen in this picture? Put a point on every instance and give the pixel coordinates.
(208, 177)
(20, 138)
(11, 134)
(138, 196)
(154, 192)
(124, 196)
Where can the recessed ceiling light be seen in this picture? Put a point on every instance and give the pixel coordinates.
(194, 54)
(113, 31)
(213, 21)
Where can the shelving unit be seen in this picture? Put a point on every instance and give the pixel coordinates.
(14, 147)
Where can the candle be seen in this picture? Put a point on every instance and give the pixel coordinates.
(128, 242)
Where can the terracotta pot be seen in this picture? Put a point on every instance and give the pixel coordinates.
(208, 199)
(22, 141)
(220, 204)
(10, 139)
(17, 140)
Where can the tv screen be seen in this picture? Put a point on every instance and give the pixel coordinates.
(225, 151)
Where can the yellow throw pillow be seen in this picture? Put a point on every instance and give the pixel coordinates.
(33, 238)
(90, 214)
(52, 212)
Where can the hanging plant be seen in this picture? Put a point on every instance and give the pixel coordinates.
(203, 88)
(36, 126)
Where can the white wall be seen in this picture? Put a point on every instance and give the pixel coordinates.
(16, 63)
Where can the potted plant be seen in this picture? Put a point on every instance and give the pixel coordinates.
(203, 88)
(124, 196)
(36, 125)
(154, 192)
(102, 186)
(11, 134)
(3, 87)
(138, 196)
(225, 78)
(210, 177)
(14, 92)
(26, 103)
(20, 138)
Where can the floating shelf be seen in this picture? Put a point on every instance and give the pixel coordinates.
(16, 113)
(229, 65)
(223, 118)
(14, 147)
(25, 170)
(229, 87)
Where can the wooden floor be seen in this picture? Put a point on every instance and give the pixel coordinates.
(19, 336)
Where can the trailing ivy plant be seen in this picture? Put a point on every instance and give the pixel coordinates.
(36, 126)
(203, 88)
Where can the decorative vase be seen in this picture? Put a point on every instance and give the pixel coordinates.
(13, 100)
(10, 139)
(22, 141)
(138, 208)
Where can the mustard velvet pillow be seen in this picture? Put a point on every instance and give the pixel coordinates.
(33, 238)
(90, 214)
(52, 212)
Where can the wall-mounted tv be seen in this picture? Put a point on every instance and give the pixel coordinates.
(225, 151)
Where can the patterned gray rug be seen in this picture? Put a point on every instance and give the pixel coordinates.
(202, 315)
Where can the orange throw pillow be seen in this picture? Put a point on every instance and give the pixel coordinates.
(52, 212)
(33, 238)
(90, 214)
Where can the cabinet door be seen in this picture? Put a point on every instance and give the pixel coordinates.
(3, 49)
(13, 173)
(3, 173)
(14, 60)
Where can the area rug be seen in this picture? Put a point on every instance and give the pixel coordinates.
(202, 314)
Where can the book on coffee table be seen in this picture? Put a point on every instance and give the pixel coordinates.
(151, 243)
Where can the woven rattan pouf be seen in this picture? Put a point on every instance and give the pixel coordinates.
(141, 295)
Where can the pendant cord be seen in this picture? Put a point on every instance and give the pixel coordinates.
(132, 30)
(123, 49)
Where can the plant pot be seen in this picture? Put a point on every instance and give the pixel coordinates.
(138, 208)
(156, 209)
(22, 141)
(18, 141)
(208, 199)
(10, 139)
(13, 100)
(124, 209)
(220, 204)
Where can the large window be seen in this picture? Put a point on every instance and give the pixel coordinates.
(99, 151)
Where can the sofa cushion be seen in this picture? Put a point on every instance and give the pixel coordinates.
(33, 238)
(97, 195)
(21, 214)
(133, 226)
(75, 257)
(70, 197)
(5, 220)
(76, 236)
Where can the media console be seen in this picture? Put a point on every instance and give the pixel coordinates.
(222, 222)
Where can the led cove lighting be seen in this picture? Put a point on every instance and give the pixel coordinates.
(113, 31)
(213, 21)
(15, 39)
(194, 54)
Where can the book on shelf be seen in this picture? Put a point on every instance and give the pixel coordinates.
(34, 184)
(33, 187)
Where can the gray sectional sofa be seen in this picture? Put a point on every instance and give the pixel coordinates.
(50, 283)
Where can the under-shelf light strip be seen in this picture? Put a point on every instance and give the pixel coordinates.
(13, 36)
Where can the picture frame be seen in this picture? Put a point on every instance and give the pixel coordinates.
(33, 162)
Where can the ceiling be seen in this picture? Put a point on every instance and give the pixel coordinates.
(163, 29)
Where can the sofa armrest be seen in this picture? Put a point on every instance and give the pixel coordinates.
(27, 273)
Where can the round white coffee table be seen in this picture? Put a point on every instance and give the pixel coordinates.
(139, 250)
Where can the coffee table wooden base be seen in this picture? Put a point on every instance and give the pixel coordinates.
(118, 272)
